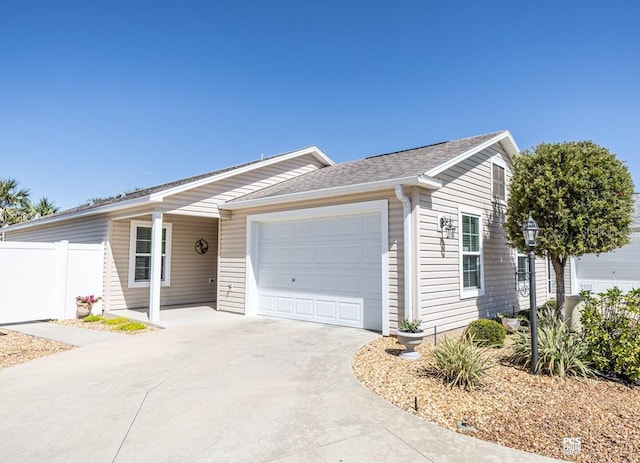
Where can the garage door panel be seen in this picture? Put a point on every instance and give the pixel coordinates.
(304, 282)
(283, 281)
(267, 255)
(326, 282)
(326, 309)
(326, 254)
(284, 230)
(267, 278)
(304, 229)
(350, 254)
(350, 226)
(350, 284)
(304, 307)
(285, 255)
(350, 312)
(305, 254)
(325, 269)
(371, 254)
(284, 304)
(371, 225)
(267, 303)
(326, 227)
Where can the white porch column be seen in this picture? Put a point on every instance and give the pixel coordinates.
(156, 266)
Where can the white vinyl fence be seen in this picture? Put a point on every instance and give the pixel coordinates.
(40, 281)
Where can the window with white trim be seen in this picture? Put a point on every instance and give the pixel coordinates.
(140, 254)
(522, 269)
(471, 271)
(499, 186)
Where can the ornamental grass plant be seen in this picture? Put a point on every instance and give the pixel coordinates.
(460, 362)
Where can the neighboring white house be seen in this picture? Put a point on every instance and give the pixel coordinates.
(620, 267)
(415, 233)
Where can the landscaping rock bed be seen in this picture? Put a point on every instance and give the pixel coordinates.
(18, 348)
(513, 407)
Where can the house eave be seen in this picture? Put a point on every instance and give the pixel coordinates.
(419, 181)
(84, 213)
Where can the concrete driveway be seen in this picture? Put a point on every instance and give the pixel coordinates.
(237, 390)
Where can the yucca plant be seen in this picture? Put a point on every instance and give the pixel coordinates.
(560, 351)
(460, 362)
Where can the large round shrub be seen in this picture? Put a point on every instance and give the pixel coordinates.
(486, 332)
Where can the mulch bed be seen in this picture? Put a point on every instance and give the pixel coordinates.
(513, 407)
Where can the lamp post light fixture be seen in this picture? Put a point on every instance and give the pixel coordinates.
(530, 232)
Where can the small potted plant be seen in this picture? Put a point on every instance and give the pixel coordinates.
(410, 334)
(510, 321)
(84, 304)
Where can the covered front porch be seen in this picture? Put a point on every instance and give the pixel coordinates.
(161, 263)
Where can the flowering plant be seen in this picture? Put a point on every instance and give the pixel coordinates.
(87, 299)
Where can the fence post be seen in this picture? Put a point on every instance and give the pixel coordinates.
(62, 275)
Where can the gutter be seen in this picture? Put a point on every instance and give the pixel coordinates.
(419, 180)
(408, 261)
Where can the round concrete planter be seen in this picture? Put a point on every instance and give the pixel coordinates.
(511, 324)
(410, 341)
(82, 309)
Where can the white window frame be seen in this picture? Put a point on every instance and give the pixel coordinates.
(500, 163)
(519, 254)
(135, 224)
(466, 293)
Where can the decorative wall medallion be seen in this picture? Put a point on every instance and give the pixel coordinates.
(202, 246)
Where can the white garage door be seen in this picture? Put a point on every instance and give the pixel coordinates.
(326, 270)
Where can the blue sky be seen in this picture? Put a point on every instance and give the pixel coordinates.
(97, 98)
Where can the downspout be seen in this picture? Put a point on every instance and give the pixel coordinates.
(406, 214)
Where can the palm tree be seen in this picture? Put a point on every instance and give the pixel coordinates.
(42, 208)
(14, 202)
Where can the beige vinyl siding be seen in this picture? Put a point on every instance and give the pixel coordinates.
(190, 271)
(205, 200)
(91, 230)
(231, 290)
(468, 183)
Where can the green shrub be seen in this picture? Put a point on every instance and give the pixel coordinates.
(408, 326)
(460, 362)
(131, 326)
(560, 351)
(92, 318)
(486, 332)
(116, 321)
(611, 329)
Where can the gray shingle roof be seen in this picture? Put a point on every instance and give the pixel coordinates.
(399, 164)
(148, 191)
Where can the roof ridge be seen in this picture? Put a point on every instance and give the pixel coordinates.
(436, 144)
(408, 149)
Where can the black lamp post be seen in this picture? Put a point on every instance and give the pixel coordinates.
(530, 232)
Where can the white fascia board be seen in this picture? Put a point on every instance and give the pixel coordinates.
(421, 181)
(503, 138)
(84, 213)
(313, 150)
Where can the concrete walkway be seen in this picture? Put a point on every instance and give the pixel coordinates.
(67, 334)
(237, 390)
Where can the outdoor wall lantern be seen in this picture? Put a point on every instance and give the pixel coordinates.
(447, 227)
(530, 231)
